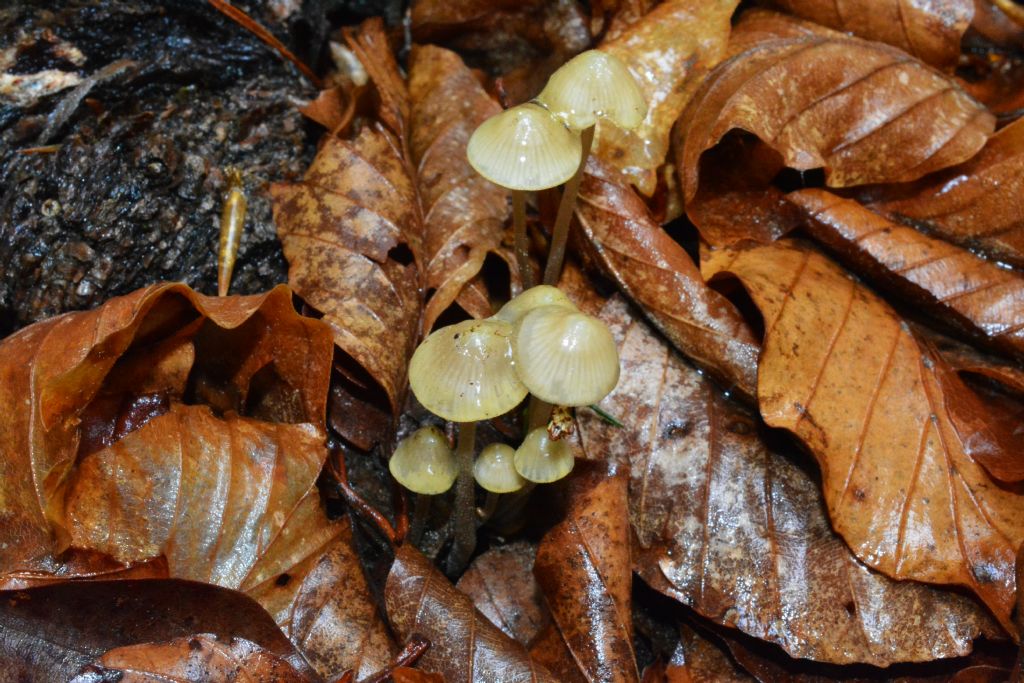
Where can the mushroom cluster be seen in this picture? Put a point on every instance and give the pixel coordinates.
(546, 142)
(538, 343)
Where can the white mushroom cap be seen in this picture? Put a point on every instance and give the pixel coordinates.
(534, 297)
(464, 372)
(594, 85)
(525, 148)
(424, 463)
(541, 460)
(495, 470)
(565, 357)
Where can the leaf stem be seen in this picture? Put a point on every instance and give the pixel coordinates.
(560, 233)
(464, 512)
(522, 244)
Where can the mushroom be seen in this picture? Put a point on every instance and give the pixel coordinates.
(495, 471)
(565, 357)
(592, 85)
(541, 459)
(524, 148)
(464, 373)
(541, 295)
(424, 463)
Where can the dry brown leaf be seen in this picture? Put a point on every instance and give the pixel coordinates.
(464, 646)
(957, 287)
(899, 484)
(668, 51)
(200, 658)
(739, 533)
(324, 606)
(929, 30)
(662, 279)
(697, 659)
(978, 205)
(549, 649)
(464, 214)
(57, 376)
(501, 584)
(406, 675)
(228, 501)
(863, 111)
(584, 569)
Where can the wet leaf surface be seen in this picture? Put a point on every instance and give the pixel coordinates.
(464, 645)
(49, 633)
(899, 484)
(738, 531)
(464, 214)
(584, 569)
(661, 278)
(977, 204)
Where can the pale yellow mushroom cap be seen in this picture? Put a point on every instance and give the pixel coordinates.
(534, 297)
(424, 463)
(525, 148)
(541, 460)
(594, 85)
(495, 470)
(565, 357)
(464, 373)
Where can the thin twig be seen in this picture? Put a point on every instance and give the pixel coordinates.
(358, 503)
(410, 654)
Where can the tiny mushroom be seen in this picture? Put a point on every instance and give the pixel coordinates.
(424, 463)
(524, 148)
(495, 470)
(526, 301)
(541, 459)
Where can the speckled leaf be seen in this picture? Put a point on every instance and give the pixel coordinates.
(585, 572)
(739, 533)
(65, 383)
(464, 646)
(324, 605)
(659, 276)
(501, 584)
(199, 659)
(900, 488)
(464, 214)
(978, 204)
(863, 111)
(929, 30)
(668, 51)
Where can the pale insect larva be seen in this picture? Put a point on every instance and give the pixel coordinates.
(232, 222)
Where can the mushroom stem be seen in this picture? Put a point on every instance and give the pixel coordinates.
(464, 511)
(490, 505)
(522, 244)
(538, 414)
(560, 233)
(420, 512)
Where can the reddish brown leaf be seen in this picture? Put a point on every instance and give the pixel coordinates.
(55, 375)
(550, 650)
(863, 111)
(324, 606)
(953, 284)
(978, 205)
(930, 30)
(900, 487)
(668, 51)
(739, 533)
(501, 584)
(464, 646)
(464, 214)
(584, 569)
(697, 659)
(407, 675)
(660, 277)
(201, 658)
(47, 634)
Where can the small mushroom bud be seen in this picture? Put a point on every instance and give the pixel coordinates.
(594, 85)
(534, 297)
(542, 460)
(565, 357)
(524, 148)
(424, 463)
(495, 470)
(464, 373)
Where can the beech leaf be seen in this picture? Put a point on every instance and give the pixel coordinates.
(584, 569)
(464, 645)
(739, 533)
(661, 278)
(900, 487)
